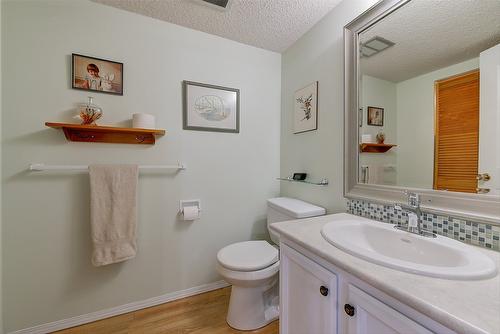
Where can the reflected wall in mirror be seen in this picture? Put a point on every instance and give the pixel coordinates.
(437, 80)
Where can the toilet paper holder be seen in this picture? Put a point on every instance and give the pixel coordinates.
(189, 202)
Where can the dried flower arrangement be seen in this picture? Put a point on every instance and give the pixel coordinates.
(90, 113)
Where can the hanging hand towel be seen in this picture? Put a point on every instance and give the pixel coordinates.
(375, 174)
(113, 212)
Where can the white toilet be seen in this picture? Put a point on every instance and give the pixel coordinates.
(252, 268)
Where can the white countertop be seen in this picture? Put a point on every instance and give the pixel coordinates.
(462, 306)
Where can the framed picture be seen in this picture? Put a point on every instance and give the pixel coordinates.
(375, 116)
(306, 108)
(210, 108)
(97, 75)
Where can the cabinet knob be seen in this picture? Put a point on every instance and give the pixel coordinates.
(323, 290)
(349, 310)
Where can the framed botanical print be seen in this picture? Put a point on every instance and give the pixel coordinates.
(306, 108)
(210, 108)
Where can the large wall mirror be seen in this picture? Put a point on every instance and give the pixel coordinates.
(423, 104)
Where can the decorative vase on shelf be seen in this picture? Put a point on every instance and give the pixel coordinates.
(380, 137)
(90, 112)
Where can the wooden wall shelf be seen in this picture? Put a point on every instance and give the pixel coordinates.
(375, 148)
(107, 134)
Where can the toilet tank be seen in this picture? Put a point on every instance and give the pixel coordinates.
(284, 208)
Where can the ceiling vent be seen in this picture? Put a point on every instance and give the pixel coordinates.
(216, 4)
(375, 45)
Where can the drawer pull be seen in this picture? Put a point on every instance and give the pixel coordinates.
(323, 290)
(349, 310)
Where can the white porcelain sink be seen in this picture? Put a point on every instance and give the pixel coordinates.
(381, 243)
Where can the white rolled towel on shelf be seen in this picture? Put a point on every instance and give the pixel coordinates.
(143, 121)
(367, 139)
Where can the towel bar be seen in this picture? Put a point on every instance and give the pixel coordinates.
(39, 167)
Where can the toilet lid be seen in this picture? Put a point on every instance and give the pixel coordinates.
(248, 255)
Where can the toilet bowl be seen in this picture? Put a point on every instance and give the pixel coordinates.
(252, 268)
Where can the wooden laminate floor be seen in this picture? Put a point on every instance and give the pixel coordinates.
(204, 313)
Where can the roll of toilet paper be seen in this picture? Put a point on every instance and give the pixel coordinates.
(367, 139)
(143, 121)
(191, 213)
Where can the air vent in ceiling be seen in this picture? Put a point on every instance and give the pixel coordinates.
(375, 45)
(216, 4)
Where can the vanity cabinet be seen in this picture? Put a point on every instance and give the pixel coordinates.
(308, 295)
(317, 300)
(366, 314)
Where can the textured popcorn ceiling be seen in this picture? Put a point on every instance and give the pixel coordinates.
(432, 34)
(269, 24)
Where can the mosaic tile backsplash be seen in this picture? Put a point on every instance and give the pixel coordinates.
(479, 234)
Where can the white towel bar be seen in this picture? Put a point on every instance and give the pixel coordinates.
(39, 167)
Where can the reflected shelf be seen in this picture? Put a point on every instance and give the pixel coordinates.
(375, 148)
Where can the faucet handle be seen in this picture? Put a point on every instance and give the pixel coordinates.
(413, 199)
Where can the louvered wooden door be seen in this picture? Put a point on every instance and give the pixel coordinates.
(456, 145)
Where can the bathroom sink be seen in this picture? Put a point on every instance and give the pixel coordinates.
(381, 243)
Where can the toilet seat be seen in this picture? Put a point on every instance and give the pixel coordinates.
(248, 278)
(248, 256)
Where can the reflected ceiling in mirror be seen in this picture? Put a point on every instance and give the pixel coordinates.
(431, 34)
(429, 83)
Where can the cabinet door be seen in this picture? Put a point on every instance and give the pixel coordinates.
(308, 295)
(367, 315)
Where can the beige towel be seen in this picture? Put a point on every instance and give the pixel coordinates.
(113, 212)
(375, 174)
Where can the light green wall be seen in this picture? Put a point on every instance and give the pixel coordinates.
(380, 93)
(317, 56)
(415, 125)
(1, 245)
(47, 271)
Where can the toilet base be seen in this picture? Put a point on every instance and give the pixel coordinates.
(253, 307)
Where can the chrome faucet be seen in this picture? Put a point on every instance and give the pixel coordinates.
(414, 215)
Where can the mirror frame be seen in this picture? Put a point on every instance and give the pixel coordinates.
(476, 207)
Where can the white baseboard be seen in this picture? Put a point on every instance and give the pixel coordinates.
(111, 312)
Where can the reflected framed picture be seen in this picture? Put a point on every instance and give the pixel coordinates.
(96, 75)
(375, 116)
(210, 108)
(306, 109)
